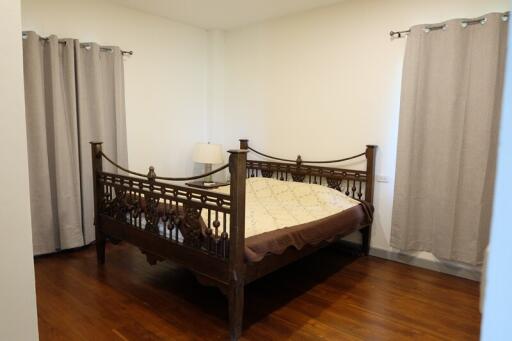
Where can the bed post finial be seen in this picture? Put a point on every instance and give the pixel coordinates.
(244, 144)
(237, 168)
(151, 174)
(97, 167)
(96, 147)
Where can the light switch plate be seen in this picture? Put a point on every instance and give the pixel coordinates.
(382, 178)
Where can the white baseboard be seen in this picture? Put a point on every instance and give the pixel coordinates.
(459, 270)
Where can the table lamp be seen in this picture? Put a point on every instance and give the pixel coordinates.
(209, 154)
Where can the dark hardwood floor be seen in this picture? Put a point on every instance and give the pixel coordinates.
(327, 296)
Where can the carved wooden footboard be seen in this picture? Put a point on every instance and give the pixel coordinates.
(204, 230)
(168, 221)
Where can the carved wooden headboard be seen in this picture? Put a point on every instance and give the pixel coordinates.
(357, 184)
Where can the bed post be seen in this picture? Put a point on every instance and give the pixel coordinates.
(244, 144)
(366, 232)
(237, 168)
(97, 166)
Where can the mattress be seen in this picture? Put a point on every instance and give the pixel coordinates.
(274, 204)
(282, 214)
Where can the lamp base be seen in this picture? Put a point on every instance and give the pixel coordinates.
(208, 169)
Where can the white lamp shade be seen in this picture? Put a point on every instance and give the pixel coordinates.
(208, 153)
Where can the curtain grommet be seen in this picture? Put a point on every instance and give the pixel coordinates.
(428, 29)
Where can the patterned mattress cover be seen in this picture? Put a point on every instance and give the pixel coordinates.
(282, 214)
(273, 204)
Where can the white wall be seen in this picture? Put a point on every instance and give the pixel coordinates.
(498, 296)
(327, 82)
(18, 318)
(216, 78)
(165, 79)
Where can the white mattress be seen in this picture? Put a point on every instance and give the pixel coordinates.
(274, 204)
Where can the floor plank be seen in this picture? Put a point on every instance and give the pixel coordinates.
(327, 296)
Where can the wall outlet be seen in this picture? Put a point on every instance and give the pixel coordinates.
(382, 178)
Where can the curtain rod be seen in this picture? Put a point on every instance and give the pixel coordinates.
(428, 28)
(85, 45)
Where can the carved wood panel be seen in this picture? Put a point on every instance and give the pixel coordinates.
(169, 211)
(351, 182)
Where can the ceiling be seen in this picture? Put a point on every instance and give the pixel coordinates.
(222, 14)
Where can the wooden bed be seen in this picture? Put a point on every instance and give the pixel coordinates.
(167, 221)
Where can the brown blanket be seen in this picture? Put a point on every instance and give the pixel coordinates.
(312, 233)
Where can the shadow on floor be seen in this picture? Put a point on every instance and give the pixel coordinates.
(265, 295)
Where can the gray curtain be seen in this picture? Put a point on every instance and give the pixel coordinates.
(73, 94)
(101, 108)
(450, 106)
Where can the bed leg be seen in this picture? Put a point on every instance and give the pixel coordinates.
(97, 167)
(236, 310)
(100, 247)
(366, 234)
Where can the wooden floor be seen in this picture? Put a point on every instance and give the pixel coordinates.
(328, 296)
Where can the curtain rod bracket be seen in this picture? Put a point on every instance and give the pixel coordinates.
(399, 34)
